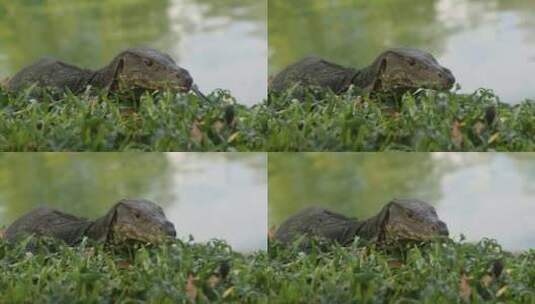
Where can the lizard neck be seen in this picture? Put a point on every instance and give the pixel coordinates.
(369, 229)
(99, 230)
(365, 78)
(102, 78)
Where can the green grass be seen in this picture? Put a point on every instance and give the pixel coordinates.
(183, 272)
(178, 272)
(448, 272)
(429, 121)
(167, 122)
(156, 123)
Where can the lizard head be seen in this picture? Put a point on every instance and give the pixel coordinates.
(410, 220)
(149, 69)
(405, 69)
(140, 220)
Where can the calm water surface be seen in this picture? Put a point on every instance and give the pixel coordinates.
(205, 195)
(477, 194)
(222, 43)
(486, 43)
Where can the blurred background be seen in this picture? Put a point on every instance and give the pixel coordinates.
(477, 194)
(223, 43)
(486, 43)
(206, 195)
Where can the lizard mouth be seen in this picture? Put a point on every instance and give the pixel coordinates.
(150, 235)
(159, 86)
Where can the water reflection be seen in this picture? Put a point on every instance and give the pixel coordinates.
(205, 195)
(493, 199)
(476, 194)
(222, 43)
(485, 43)
(222, 198)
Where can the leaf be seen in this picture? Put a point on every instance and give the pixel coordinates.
(486, 280)
(465, 291)
(123, 264)
(228, 292)
(501, 291)
(3, 82)
(456, 135)
(196, 133)
(271, 233)
(2, 233)
(394, 264)
(233, 137)
(218, 126)
(214, 280)
(478, 128)
(89, 252)
(191, 290)
(125, 112)
(493, 138)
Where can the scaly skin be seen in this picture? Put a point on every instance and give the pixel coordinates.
(129, 220)
(137, 69)
(399, 221)
(395, 70)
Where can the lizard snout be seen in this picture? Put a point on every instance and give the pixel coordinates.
(447, 78)
(186, 81)
(169, 229)
(441, 228)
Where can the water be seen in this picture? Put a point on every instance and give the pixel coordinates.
(486, 43)
(205, 195)
(222, 43)
(477, 194)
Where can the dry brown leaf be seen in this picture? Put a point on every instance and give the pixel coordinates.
(218, 126)
(233, 137)
(486, 280)
(196, 133)
(3, 82)
(465, 291)
(493, 138)
(501, 291)
(478, 128)
(228, 292)
(2, 233)
(125, 112)
(271, 233)
(89, 252)
(213, 280)
(456, 135)
(357, 103)
(123, 264)
(394, 264)
(191, 290)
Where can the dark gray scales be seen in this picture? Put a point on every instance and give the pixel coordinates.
(136, 69)
(314, 71)
(128, 220)
(50, 72)
(318, 222)
(399, 220)
(396, 70)
(51, 223)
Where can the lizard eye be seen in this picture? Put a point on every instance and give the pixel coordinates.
(412, 62)
(148, 62)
